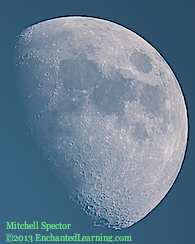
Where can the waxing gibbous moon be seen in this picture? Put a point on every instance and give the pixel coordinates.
(108, 112)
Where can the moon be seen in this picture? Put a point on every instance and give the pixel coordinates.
(108, 112)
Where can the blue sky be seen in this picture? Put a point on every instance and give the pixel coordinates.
(29, 190)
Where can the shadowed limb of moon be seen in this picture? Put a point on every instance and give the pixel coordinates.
(108, 112)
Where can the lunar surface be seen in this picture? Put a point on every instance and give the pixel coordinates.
(108, 112)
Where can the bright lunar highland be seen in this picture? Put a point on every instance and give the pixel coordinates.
(107, 111)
